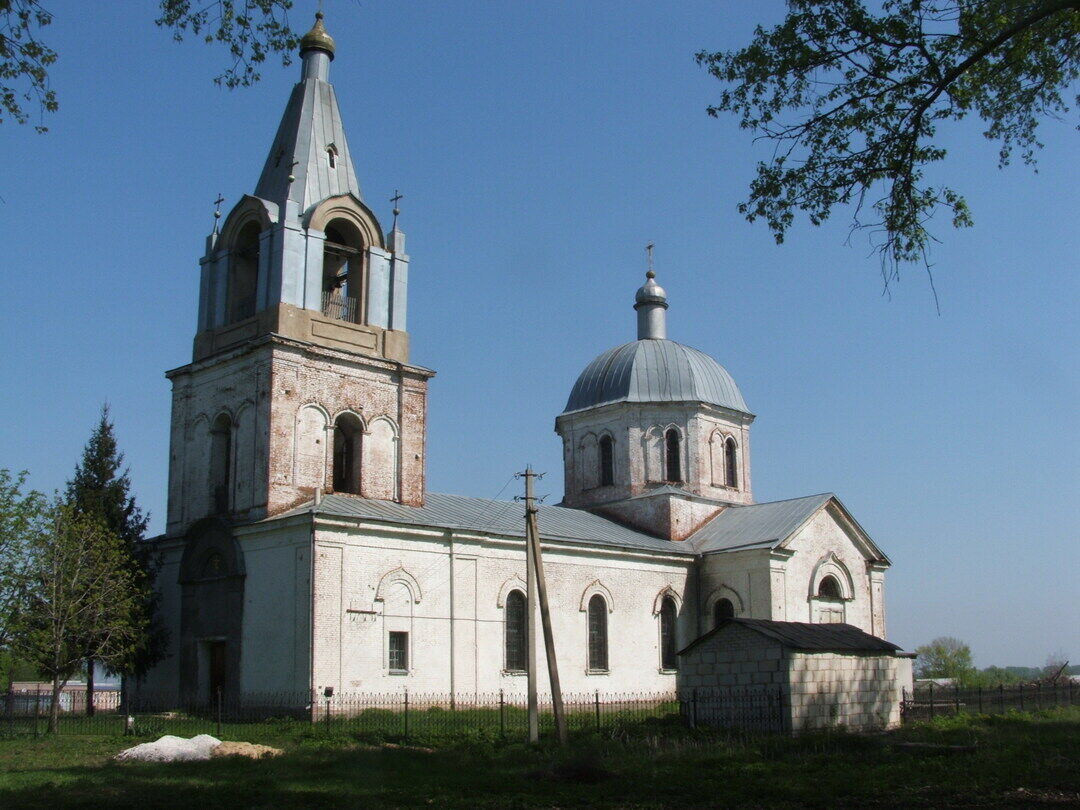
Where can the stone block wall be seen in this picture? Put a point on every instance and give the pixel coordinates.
(860, 692)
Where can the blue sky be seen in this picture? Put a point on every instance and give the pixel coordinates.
(540, 146)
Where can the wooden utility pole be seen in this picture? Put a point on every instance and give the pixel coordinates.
(530, 613)
(535, 562)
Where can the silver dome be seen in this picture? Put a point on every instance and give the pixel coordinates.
(654, 370)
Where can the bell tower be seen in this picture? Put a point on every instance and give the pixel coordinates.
(300, 379)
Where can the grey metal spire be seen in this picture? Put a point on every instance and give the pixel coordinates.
(310, 158)
(651, 305)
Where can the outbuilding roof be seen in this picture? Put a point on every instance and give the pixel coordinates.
(805, 637)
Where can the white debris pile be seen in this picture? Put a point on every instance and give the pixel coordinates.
(172, 749)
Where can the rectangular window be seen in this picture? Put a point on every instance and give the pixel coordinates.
(399, 652)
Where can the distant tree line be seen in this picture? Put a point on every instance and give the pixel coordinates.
(949, 657)
(77, 576)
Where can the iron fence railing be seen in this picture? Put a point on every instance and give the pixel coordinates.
(339, 307)
(933, 700)
(399, 716)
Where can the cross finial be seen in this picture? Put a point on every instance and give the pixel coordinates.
(217, 210)
(650, 273)
(398, 197)
(292, 175)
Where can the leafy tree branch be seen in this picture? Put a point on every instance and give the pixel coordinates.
(852, 101)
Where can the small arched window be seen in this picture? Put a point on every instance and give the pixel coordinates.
(243, 274)
(829, 588)
(731, 463)
(517, 645)
(668, 644)
(607, 461)
(598, 649)
(221, 438)
(672, 462)
(343, 272)
(347, 433)
(723, 610)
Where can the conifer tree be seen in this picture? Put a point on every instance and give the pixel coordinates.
(101, 489)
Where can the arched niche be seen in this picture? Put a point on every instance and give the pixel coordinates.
(395, 577)
(597, 587)
(514, 583)
(380, 459)
(666, 592)
(310, 446)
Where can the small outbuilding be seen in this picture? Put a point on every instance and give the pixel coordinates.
(812, 675)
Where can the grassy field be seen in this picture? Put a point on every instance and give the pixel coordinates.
(1017, 761)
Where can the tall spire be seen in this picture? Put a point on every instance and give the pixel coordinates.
(651, 305)
(309, 160)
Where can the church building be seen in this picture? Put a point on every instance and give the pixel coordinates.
(303, 551)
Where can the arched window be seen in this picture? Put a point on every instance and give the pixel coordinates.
(598, 657)
(731, 463)
(347, 431)
(517, 647)
(607, 461)
(243, 274)
(343, 272)
(668, 644)
(221, 463)
(723, 610)
(829, 588)
(672, 464)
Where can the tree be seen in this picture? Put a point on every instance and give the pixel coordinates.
(101, 489)
(22, 515)
(944, 657)
(250, 29)
(78, 588)
(852, 102)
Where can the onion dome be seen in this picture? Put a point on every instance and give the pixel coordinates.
(317, 39)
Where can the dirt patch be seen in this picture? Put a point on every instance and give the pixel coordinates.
(229, 748)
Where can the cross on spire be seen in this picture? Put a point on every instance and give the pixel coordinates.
(650, 273)
(217, 210)
(398, 197)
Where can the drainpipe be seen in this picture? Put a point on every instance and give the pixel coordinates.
(453, 646)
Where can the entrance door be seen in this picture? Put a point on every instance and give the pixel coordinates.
(215, 681)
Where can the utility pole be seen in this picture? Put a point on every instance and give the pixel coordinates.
(536, 581)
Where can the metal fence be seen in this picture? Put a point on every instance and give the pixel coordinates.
(933, 700)
(392, 717)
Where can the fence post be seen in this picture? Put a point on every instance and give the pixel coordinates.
(693, 707)
(596, 703)
(931, 700)
(1001, 697)
(1021, 697)
(1038, 695)
(502, 714)
(956, 697)
(406, 715)
(980, 700)
(37, 712)
(219, 712)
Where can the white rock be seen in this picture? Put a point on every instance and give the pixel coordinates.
(172, 749)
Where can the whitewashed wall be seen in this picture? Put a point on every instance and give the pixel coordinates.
(455, 613)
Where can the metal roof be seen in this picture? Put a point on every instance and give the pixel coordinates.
(654, 370)
(756, 525)
(497, 517)
(806, 637)
(310, 126)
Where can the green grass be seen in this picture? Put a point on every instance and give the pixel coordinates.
(1018, 761)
